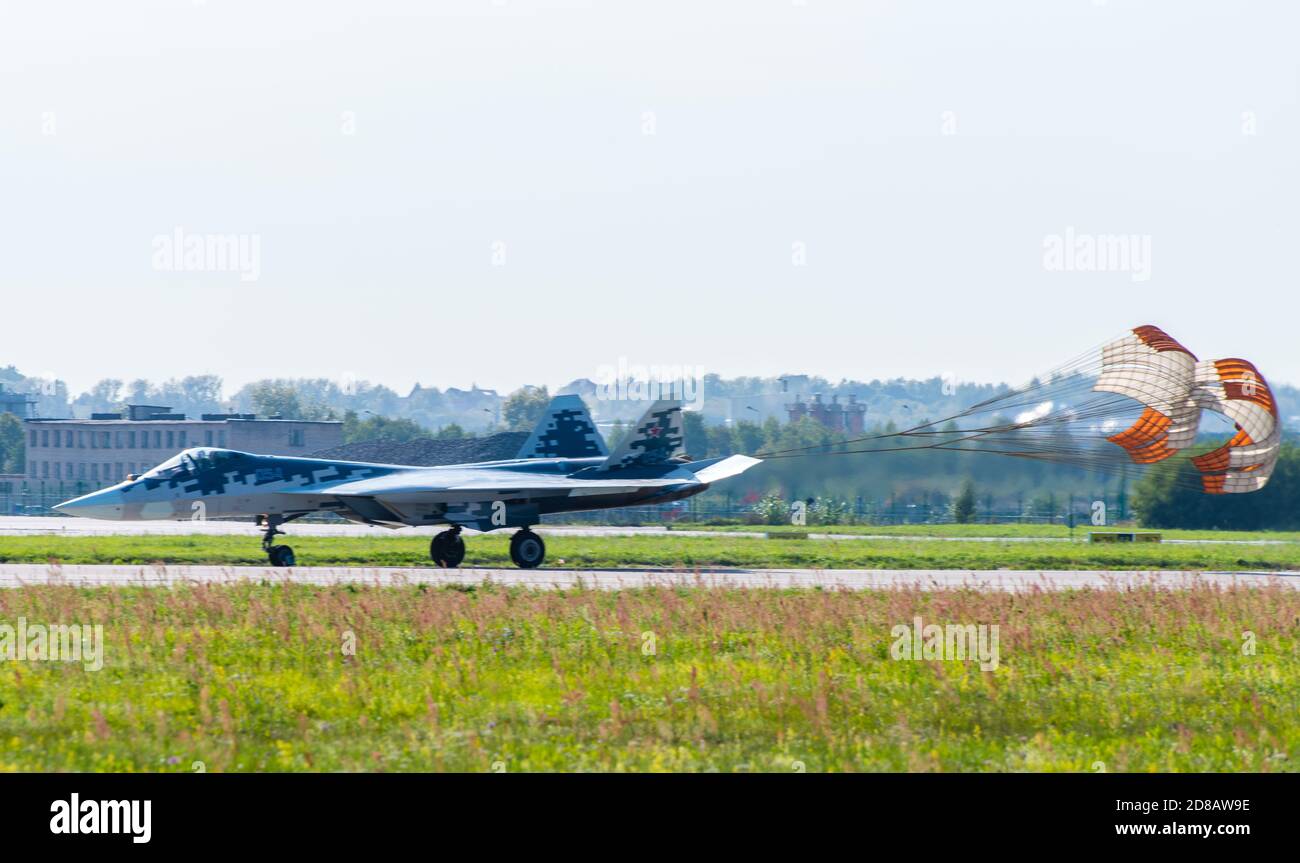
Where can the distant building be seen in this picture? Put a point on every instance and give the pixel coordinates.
(473, 409)
(85, 454)
(855, 415)
(847, 417)
(21, 405)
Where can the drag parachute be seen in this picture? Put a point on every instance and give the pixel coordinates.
(1154, 369)
(1136, 400)
(1236, 389)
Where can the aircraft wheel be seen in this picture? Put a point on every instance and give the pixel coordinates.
(527, 549)
(447, 549)
(281, 555)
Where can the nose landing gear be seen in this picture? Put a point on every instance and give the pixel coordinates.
(280, 555)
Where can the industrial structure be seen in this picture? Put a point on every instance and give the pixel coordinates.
(837, 416)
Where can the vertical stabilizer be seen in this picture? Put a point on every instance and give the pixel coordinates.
(656, 438)
(564, 431)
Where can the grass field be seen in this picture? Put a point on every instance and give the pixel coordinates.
(662, 551)
(1023, 531)
(259, 677)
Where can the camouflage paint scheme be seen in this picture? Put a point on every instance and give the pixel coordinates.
(562, 467)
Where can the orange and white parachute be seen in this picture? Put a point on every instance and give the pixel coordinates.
(1236, 389)
(1154, 369)
(1138, 399)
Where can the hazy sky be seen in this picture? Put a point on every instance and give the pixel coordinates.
(505, 191)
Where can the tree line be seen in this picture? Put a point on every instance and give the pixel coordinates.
(1169, 496)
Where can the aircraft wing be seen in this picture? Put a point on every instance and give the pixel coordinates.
(445, 485)
(473, 496)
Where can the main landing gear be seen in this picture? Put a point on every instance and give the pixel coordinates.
(527, 549)
(447, 549)
(280, 555)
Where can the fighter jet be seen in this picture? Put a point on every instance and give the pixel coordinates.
(564, 466)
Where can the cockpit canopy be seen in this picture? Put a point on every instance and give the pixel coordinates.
(192, 461)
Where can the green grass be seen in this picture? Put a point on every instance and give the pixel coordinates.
(256, 677)
(659, 551)
(1026, 531)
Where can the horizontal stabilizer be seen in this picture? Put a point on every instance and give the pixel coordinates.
(714, 469)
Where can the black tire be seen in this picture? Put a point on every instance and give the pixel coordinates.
(281, 555)
(447, 549)
(527, 549)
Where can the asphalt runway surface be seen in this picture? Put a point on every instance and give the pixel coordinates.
(20, 574)
(18, 525)
(68, 526)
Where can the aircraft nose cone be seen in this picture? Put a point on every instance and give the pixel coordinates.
(105, 503)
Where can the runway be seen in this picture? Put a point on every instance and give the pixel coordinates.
(21, 574)
(67, 526)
